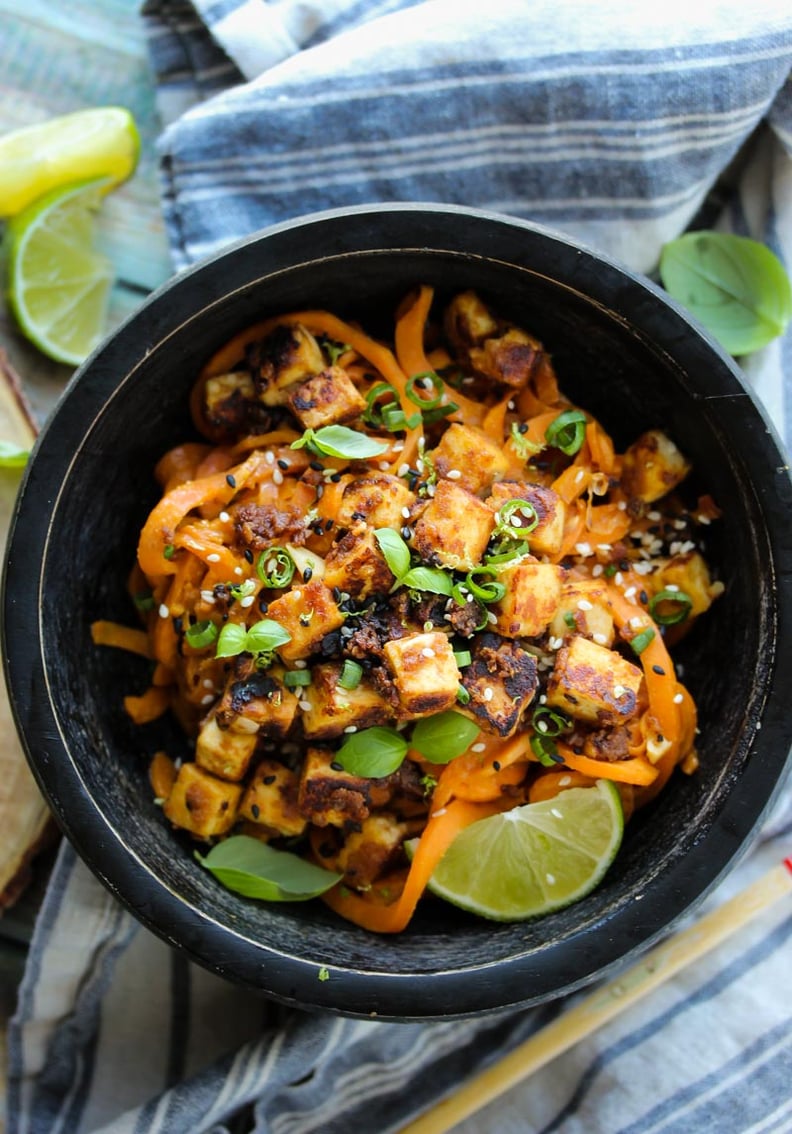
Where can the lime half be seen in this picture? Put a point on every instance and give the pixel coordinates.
(534, 859)
(99, 142)
(58, 284)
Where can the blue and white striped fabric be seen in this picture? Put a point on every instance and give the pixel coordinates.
(620, 125)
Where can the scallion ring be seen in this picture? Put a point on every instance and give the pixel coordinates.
(567, 432)
(642, 640)
(201, 634)
(426, 403)
(516, 518)
(545, 750)
(275, 567)
(374, 411)
(668, 608)
(483, 585)
(350, 675)
(548, 722)
(296, 677)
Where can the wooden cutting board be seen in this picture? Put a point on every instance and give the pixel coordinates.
(25, 824)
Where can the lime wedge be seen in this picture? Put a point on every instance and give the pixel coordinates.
(101, 142)
(58, 284)
(534, 859)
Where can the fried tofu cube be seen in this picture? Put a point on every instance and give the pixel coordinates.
(501, 680)
(201, 803)
(378, 499)
(594, 684)
(329, 796)
(652, 467)
(424, 672)
(223, 752)
(271, 800)
(256, 700)
(548, 535)
(468, 321)
(583, 611)
(307, 613)
(533, 592)
(470, 453)
(370, 852)
(511, 358)
(287, 355)
(333, 709)
(454, 528)
(356, 565)
(689, 573)
(328, 398)
(227, 402)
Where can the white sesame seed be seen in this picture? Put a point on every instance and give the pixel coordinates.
(597, 570)
(565, 781)
(515, 521)
(163, 611)
(419, 464)
(208, 596)
(427, 652)
(653, 516)
(277, 476)
(208, 683)
(298, 595)
(398, 446)
(238, 571)
(351, 728)
(550, 879)
(687, 546)
(480, 747)
(584, 549)
(556, 643)
(603, 547)
(306, 706)
(618, 578)
(300, 664)
(384, 466)
(269, 457)
(579, 476)
(454, 474)
(402, 470)
(421, 444)
(558, 814)
(430, 490)
(488, 693)
(542, 698)
(636, 623)
(703, 519)
(622, 505)
(406, 513)
(437, 814)
(584, 604)
(224, 517)
(491, 618)
(512, 405)
(675, 547)
(207, 700)
(619, 691)
(600, 639)
(628, 594)
(541, 726)
(247, 601)
(213, 558)
(678, 698)
(643, 567)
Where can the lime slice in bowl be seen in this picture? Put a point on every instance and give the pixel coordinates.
(58, 284)
(98, 142)
(533, 859)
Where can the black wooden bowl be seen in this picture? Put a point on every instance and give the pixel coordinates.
(625, 353)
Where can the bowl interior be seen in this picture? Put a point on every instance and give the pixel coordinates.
(95, 462)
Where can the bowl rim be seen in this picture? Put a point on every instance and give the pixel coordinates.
(293, 980)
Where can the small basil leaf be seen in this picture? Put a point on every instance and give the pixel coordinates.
(250, 867)
(444, 736)
(733, 285)
(12, 456)
(373, 753)
(430, 579)
(266, 635)
(395, 550)
(231, 640)
(339, 441)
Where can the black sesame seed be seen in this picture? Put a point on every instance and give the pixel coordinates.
(337, 594)
(231, 480)
(644, 597)
(269, 780)
(307, 574)
(263, 605)
(336, 477)
(496, 765)
(658, 669)
(336, 766)
(255, 810)
(248, 554)
(522, 428)
(358, 515)
(317, 466)
(406, 532)
(282, 464)
(624, 565)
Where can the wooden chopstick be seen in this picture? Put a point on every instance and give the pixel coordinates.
(601, 1006)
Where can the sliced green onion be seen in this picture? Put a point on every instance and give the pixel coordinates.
(373, 412)
(275, 567)
(430, 416)
(463, 697)
(545, 750)
(201, 634)
(296, 677)
(610, 570)
(488, 589)
(569, 618)
(243, 589)
(642, 640)
(169, 551)
(514, 551)
(680, 603)
(516, 518)
(350, 675)
(462, 657)
(548, 722)
(567, 432)
(426, 403)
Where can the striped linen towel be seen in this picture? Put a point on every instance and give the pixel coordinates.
(621, 126)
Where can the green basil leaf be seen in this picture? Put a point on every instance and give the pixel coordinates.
(12, 456)
(266, 635)
(395, 550)
(373, 753)
(250, 867)
(444, 736)
(430, 579)
(339, 441)
(735, 286)
(231, 640)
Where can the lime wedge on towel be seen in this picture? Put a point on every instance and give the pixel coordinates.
(533, 859)
(98, 142)
(58, 284)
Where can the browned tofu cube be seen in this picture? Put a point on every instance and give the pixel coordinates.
(334, 710)
(225, 752)
(356, 565)
(329, 796)
(511, 358)
(424, 672)
(287, 355)
(307, 613)
(533, 592)
(271, 799)
(202, 804)
(689, 573)
(652, 467)
(468, 321)
(501, 681)
(379, 499)
(256, 700)
(372, 851)
(469, 457)
(454, 529)
(583, 610)
(594, 684)
(227, 402)
(326, 399)
(548, 535)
